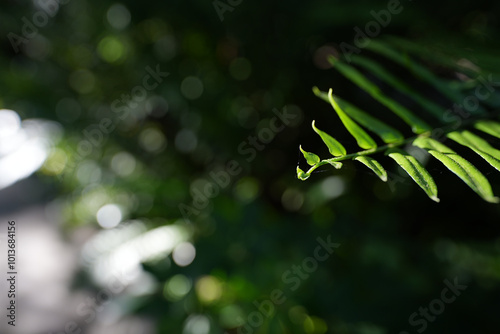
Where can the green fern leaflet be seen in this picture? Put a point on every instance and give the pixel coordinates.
(470, 125)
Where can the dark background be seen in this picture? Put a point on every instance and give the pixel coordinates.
(396, 246)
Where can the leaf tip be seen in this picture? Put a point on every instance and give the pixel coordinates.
(435, 199)
(493, 199)
(335, 164)
(314, 127)
(332, 59)
(421, 129)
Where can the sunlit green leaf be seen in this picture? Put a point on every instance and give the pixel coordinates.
(301, 175)
(416, 171)
(384, 131)
(335, 148)
(490, 127)
(481, 144)
(362, 138)
(374, 165)
(478, 145)
(335, 164)
(458, 165)
(311, 158)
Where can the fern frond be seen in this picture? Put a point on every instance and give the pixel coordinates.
(359, 123)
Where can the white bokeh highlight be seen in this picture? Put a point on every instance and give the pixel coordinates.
(109, 216)
(184, 254)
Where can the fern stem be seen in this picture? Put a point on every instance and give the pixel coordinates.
(365, 152)
(446, 130)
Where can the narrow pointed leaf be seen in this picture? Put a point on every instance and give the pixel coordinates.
(417, 124)
(362, 138)
(421, 72)
(311, 158)
(481, 144)
(335, 164)
(336, 149)
(435, 55)
(416, 171)
(374, 165)
(489, 127)
(458, 165)
(478, 145)
(398, 84)
(478, 60)
(494, 100)
(387, 133)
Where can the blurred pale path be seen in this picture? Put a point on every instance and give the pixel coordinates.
(45, 266)
(148, 155)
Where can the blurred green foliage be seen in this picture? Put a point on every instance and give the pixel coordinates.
(225, 79)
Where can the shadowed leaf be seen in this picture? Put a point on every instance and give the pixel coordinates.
(417, 125)
(421, 72)
(434, 109)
